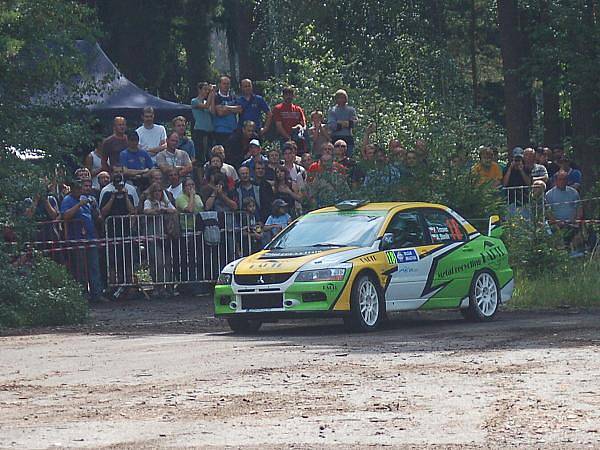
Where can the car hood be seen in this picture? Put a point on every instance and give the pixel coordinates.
(290, 260)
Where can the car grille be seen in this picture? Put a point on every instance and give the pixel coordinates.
(267, 278)
(262, 301)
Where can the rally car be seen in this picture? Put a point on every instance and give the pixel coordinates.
(361, 260)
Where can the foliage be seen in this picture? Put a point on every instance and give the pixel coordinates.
(533, 250)
(37, 47)
(450, 131)
(38, 292)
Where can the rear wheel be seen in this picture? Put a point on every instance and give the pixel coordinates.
(366, 304)
(484, 298)
(243, 326)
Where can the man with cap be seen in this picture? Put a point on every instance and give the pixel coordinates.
(236, 147)
(254, 153)
(278, 220)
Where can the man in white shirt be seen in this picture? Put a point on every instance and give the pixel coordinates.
(175, 185)
(119, 170)
(153, 137)
(296, 171)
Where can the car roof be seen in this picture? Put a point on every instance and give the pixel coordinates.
(384, 207)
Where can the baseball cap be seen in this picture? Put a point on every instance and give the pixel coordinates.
(254, 142)
(279, 203)
(517, 152)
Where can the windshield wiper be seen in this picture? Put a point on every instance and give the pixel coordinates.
(328, 244)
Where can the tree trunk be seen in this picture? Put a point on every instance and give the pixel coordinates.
(552, 122)
(585, 103)
(196, 41)
(473, 50)
(247, 60)
(516, 91)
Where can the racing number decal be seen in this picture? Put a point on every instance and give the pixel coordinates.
(455, 232)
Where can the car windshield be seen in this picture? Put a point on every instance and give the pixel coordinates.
(334, 229)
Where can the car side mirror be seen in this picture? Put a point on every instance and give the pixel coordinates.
(387, 241)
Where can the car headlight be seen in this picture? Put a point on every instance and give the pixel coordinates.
(322, 275)
(224, 279)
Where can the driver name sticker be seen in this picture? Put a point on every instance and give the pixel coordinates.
(408, 255)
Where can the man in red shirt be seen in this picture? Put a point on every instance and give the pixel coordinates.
(326, 163)
(290, 121)
(115, 143)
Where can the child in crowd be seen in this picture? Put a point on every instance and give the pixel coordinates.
(252, 226)
(277, 221)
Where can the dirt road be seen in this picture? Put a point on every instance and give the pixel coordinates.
(153, 375)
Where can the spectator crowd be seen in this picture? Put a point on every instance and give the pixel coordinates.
(241, 154)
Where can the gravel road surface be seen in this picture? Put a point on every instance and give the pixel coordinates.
(164, 374)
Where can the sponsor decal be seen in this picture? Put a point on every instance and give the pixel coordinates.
(408, 255)
(406, 269)
(452, 270)
(486, 257)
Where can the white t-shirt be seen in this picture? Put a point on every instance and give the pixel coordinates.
(129, 188)
(230, 171)
(176, 191)
(298, 175)
(151, 137)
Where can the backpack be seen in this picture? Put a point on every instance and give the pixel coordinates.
(210, 228)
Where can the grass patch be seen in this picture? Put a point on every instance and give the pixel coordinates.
(579, 287)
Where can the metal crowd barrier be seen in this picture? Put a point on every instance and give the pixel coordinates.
(525, 201)
(173, 249)
(51, 239)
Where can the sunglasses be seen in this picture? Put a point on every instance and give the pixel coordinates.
(340, 145)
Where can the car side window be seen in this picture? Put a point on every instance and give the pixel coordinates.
(443, 228)
(407, 230)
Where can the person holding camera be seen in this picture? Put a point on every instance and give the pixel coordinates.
(118, 202)
(115, 204)
(79, 221)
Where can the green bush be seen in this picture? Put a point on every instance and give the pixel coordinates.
(39, 292)
(533, 251)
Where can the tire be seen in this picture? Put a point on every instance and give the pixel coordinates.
(367, 307)
(484, 298)
(241, 325)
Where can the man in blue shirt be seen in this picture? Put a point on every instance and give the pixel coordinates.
(253, 108)
(186, 144)
(136, 162)
(79, 216)
(225, 110)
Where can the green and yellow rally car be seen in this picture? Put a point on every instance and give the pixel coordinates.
(361, 260)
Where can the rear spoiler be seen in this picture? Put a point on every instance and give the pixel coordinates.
(494, 227)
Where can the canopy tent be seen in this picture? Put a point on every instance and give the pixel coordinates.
(121, 97)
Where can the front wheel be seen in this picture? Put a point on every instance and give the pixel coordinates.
(243, 326)
(366, 304)
(484, 298)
